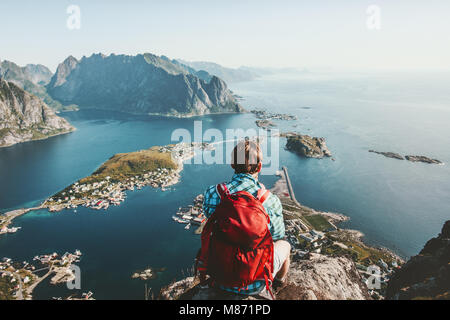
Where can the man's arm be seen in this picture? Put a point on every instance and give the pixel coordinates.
(210, 201)
(275, 211)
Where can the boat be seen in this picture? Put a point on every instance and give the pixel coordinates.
(179, 220)
(188, 226)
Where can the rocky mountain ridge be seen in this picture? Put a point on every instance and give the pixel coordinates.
(36, 73)
(32, 78)
(227, 74)
(25, 117)
(142, 84)
(425, 276)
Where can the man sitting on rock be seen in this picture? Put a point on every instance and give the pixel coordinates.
(242, 247)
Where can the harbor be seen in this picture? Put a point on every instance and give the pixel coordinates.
(22, 278)
(192, 215)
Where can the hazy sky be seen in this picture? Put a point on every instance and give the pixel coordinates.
(414, 34)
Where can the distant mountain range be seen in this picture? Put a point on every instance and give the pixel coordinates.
(141, 84)
(227, 74)
(32, 78)
(35, 73)
(25, 117)
(234, 74)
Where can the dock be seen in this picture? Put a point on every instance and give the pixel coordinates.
(8, 217)
(289, 186)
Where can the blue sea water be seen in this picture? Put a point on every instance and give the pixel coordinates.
(396, 204)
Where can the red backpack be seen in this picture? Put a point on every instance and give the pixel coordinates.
(237, 247)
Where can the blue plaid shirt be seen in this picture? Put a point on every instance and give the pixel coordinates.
(246, 182)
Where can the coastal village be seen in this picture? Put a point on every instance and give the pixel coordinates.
(192, 215)
(110, 190)
(158, 167)
(19, 279)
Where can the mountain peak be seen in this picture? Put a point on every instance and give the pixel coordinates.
(70, 59)
(143, 84)
(63, 70)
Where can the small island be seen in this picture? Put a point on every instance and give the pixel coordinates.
(264, 115)
(306, 146)
(265, 124)
(392, 155)
(423, 159)
(265, 118)
(397, 156)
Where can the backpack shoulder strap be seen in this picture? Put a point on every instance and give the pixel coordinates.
(222, 190)
(263, 194)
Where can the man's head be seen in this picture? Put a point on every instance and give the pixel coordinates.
(247, 157)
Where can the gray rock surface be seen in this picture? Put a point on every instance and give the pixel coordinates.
(265, 124)
(24, 117)
(323, 278)
(317, 278)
